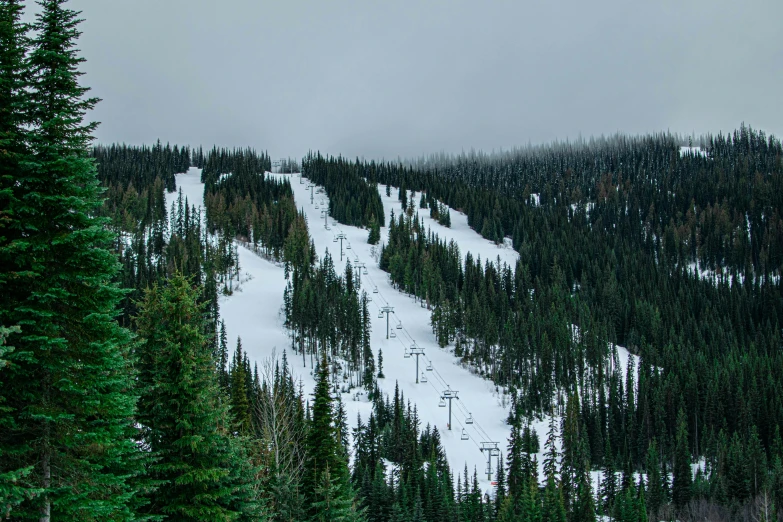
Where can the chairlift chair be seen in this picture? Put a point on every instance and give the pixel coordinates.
(393, 335)
(364, 271)
(429, 366)
(423, 378)
(406, 354)
(316, 206)
(334, 240)
(464, 435)
(469, 420)
(399, 325)
(442, 403)
(380, 315)
(375, 290)
(349, 245)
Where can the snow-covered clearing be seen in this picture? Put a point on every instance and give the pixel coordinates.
(464, 236)
(476, 395)
(254, 313)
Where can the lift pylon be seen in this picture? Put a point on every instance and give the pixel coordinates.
(340, 237)
(449, 395)
(490, 449)
(385, 310)
(417, 351)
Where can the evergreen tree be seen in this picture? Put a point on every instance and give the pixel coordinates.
(655, 497)
(683, 477)
(203, 471)
(326, 460)
(375, 232)
(240, 403)
(332, 505)
(69, 380)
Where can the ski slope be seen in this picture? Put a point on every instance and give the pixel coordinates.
(254, 312)
(467, 238)
(477, 396)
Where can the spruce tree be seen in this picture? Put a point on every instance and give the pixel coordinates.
(203, 470)
(69, 379)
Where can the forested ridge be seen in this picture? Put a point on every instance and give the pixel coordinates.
(609, 234)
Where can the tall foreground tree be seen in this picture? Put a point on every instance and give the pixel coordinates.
(69, 379)
(202, 469)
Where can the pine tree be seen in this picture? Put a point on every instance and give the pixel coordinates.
(69, 381)
(203, 470)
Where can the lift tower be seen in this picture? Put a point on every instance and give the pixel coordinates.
(387, 310)
(418, 350)
(490, 449)
(340, 237)
(448, 395)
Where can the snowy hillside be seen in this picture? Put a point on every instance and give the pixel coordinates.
(254, 313)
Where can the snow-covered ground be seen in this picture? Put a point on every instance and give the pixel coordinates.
(254, 313)
(477, 396)
(467, 238)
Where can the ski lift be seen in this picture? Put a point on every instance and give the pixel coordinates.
(429, 366)
(349, 245)
(316, 206)
(365, 271)
(334, 240)
(355, 259)
(464, 435)
(393, 335)
(423, 378)
(442, 403)
(469, 420)
(375, 290)
(399, 325)
(406, 354)
(380, 315)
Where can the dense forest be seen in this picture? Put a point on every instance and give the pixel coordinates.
(352, 199)
(675, 256)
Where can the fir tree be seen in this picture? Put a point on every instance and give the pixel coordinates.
(325, 455)
(203, 471)
(681, 482)
(375, 232)
(655, 496)
(69, 381)
(240, 403)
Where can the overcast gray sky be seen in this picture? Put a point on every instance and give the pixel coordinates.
(408, 77)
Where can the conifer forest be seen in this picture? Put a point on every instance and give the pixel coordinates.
(616, 302)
